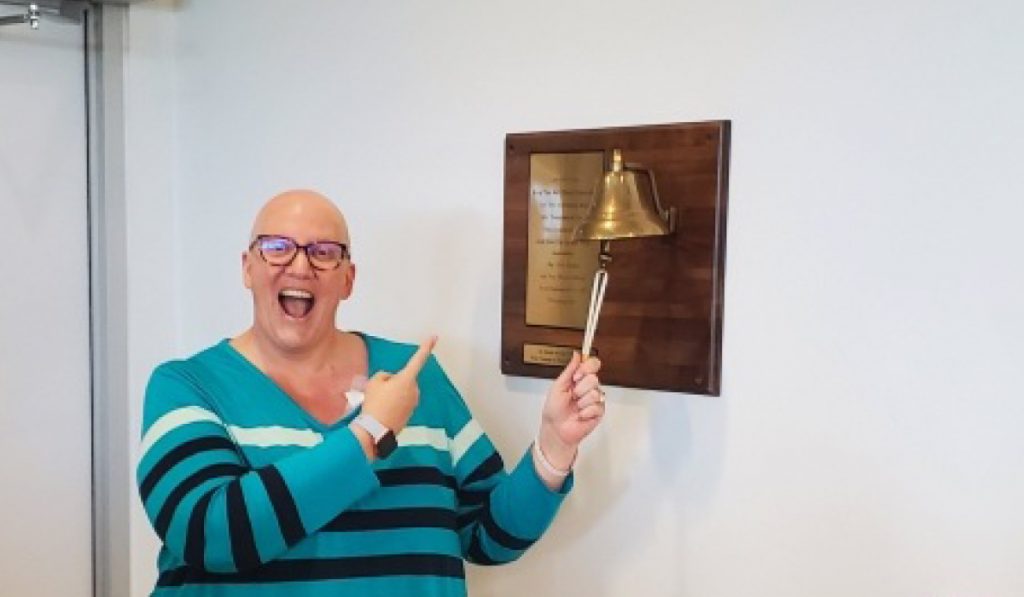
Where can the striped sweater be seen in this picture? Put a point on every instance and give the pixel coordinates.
(251, 496)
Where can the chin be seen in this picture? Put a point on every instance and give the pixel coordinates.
(297, 335)
(291, 342)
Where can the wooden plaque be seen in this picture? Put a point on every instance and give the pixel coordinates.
(661, 323)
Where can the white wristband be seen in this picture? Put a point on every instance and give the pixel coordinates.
(546, 465)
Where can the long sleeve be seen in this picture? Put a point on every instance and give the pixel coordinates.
(210, 508)
(499, 514)
(503, 514)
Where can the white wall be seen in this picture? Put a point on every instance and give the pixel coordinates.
(153, 317)
(45, 406)
(867, 439)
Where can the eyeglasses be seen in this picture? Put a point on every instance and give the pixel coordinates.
(281, 250)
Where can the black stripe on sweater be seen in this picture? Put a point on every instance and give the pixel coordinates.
(284, 505)
(195, 538)
(477, 555)
(500, 535)
(487, 468)
(468, 497)
(393, 518)
(466, 518)
(415, 475)
(243, 543)
(176, 455)
(163, 519)
(323, 569)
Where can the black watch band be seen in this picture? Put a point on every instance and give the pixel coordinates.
(384, 441)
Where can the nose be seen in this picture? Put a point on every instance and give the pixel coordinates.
(300, 265)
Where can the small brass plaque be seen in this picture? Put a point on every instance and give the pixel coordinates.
(545, 354)
(560, 272)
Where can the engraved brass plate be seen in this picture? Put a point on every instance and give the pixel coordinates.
(559, 271)
(545, 354)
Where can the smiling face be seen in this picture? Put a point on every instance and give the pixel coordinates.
(294, 305)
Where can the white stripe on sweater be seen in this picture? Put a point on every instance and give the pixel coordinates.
(424, 436)
(261, 437)
(465, 439)
(274, 436)
(174, 419)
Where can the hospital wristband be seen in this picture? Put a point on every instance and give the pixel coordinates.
(546, 465)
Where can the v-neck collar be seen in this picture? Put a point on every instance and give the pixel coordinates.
(278, 391)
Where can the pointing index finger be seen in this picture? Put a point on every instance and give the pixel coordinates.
(419, 358)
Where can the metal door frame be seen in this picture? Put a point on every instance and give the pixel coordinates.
(105, 45)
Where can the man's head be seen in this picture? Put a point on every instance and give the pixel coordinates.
(295, 301)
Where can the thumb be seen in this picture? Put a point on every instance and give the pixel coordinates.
(378, 378)
(565, 377)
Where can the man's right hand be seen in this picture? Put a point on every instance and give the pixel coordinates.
(391, 398)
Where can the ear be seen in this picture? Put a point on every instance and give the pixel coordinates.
(246, 274)
(349, 281)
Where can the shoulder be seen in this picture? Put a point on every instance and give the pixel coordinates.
(192, 368)
(185, 381)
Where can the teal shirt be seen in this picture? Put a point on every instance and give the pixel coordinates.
(252, 496)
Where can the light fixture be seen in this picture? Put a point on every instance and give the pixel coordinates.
(60, 11)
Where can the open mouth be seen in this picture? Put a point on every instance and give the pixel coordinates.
(296, 303)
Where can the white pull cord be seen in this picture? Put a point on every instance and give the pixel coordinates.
(596, 299)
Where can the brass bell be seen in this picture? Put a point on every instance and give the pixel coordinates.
(625, 205)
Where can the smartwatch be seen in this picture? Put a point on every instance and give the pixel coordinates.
(383, 438)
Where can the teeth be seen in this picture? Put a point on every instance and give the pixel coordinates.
(296, 293)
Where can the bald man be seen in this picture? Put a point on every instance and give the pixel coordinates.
(300, 459)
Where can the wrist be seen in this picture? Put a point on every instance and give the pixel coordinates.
(382, 437)
(551, 475)
(365, 441)
(554, 451)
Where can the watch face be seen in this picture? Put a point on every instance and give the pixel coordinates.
(386, 445)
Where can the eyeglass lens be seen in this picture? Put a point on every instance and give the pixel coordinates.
(278, 250)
